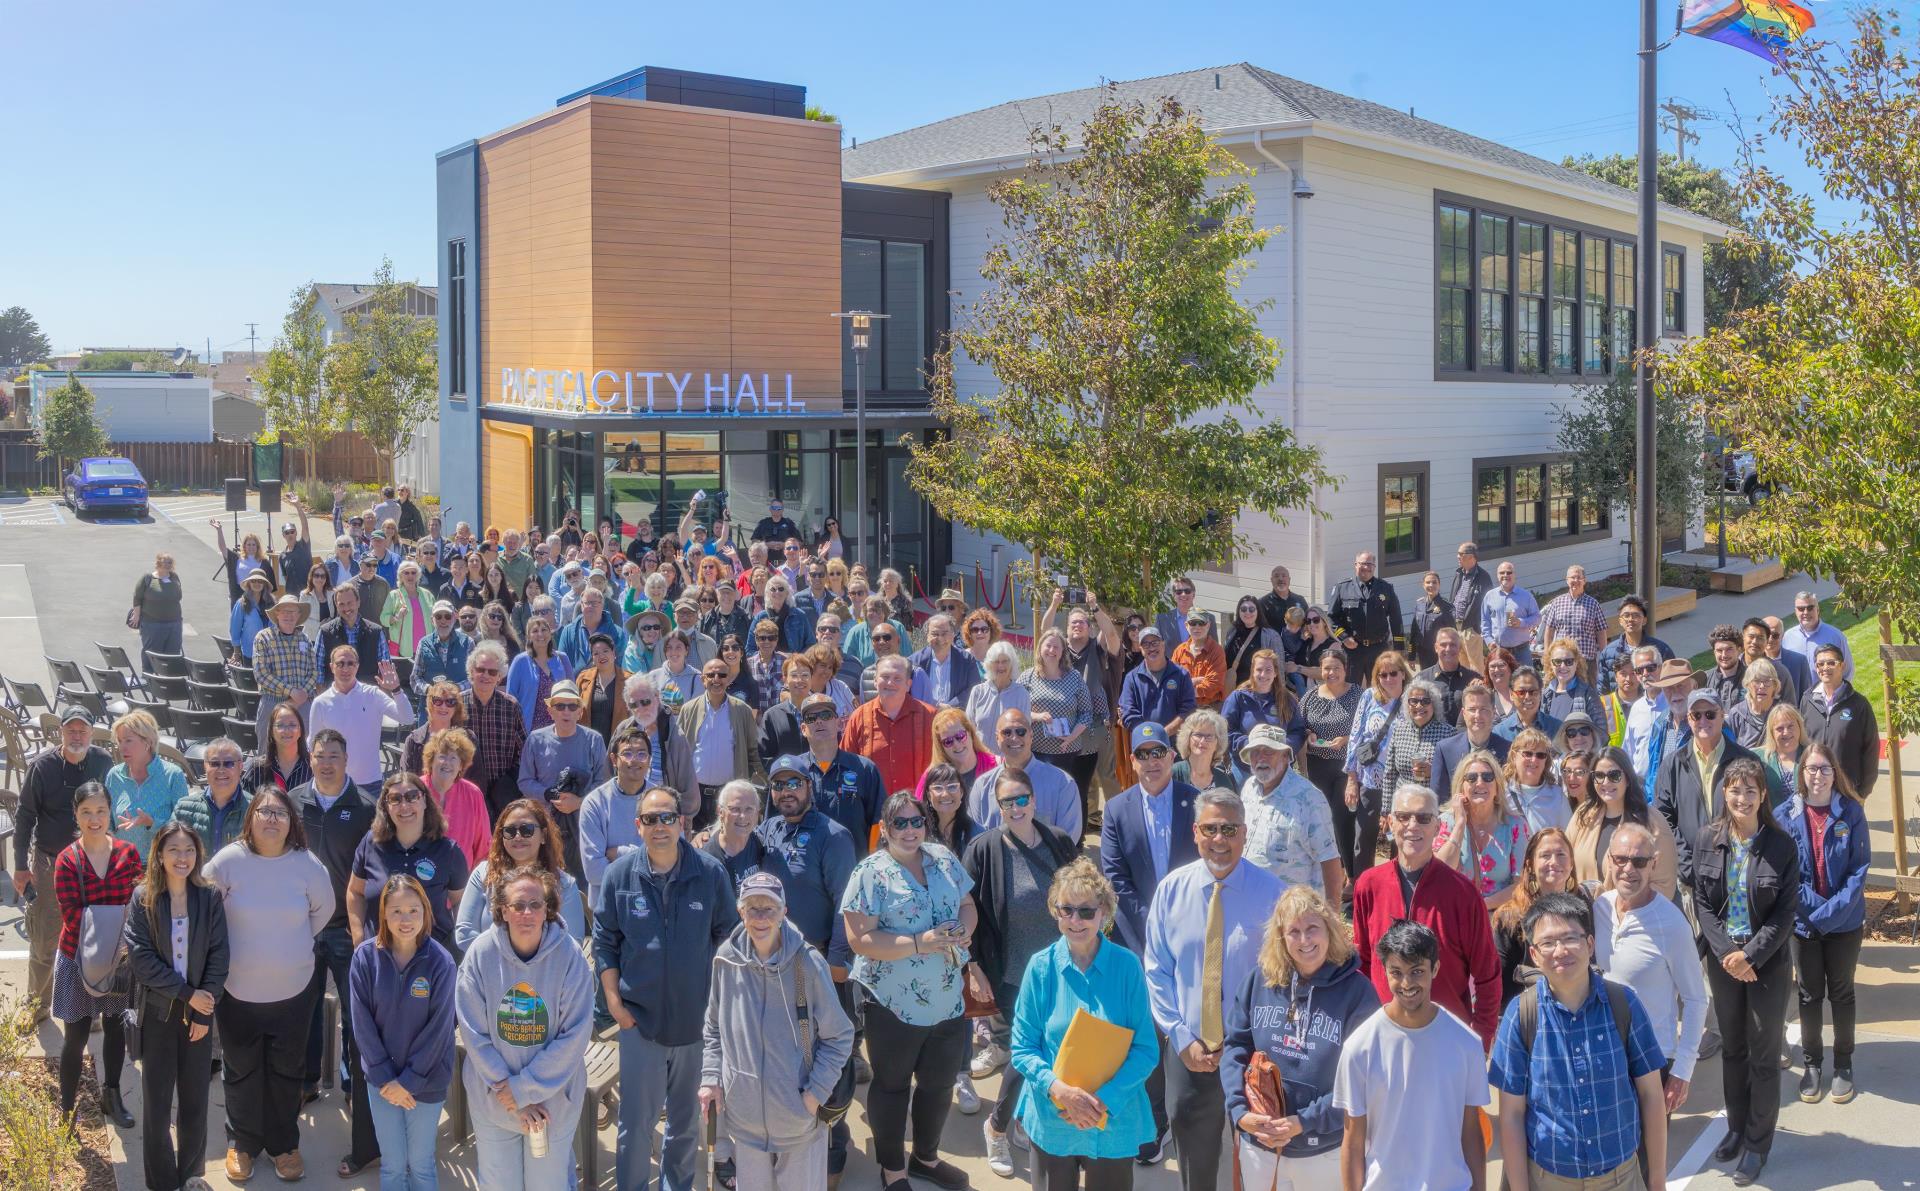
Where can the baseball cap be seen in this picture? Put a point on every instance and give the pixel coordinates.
(763, 885)
(1146, 734)
(73, 711)
(440, 606)
(817, 700)
(1151, 630)
(1198, 617)
(788, 764)
(1699, 697)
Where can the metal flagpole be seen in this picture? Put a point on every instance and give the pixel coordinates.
(1649, 315)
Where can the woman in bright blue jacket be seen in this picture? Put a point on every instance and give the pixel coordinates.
(249, 615)
(1829, 828)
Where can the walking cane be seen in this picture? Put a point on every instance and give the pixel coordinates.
(712, 1132)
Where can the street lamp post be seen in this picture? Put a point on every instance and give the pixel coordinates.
(860, 329)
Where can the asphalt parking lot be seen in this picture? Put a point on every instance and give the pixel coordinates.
(64, 585)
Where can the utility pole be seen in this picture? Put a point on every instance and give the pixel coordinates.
(250, 327)
(1676, 115)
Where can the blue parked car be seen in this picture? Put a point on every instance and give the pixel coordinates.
(106, 483)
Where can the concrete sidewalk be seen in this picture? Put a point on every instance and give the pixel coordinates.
(1687, 635)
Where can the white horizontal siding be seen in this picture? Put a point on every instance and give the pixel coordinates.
(175, 410)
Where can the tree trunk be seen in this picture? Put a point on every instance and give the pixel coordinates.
(1893, 742)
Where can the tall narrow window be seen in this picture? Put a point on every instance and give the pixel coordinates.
(1529, 511)
(907, 304)
(860, 289)
(1566, 300)
(1561, 518)
(1530, 285)
(1593, 310)
(1673, 274)
(1490, 506)
(457, 318)
(1403, 519)
(1456, 286)
(1623, 286)
(1496, 259)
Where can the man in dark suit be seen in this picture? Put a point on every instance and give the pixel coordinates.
(943, 675)
(1146, 833)
(1476, 732)
(368, 639)
(1680, 795)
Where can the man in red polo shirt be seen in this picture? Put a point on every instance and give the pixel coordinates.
(894, 730)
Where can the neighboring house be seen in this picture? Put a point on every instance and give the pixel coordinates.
(237, 417)
(140, 406)
(1435, 296)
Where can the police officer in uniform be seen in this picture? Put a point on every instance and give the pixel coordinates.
(1366, 617)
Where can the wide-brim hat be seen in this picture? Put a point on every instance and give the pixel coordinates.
(291, 601)
(1264, 736)
(1673, 672)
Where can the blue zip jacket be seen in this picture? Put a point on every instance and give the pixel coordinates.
(244, 624)
(814, 860)
(436, 659)
(523, 680)
(1847, 854)
(796, 630)
(403, 1018)
(1302, 1029)
(1162, 697)
(660, 935)
(1245, 709)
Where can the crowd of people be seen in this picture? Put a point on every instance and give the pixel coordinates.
(1324, 874)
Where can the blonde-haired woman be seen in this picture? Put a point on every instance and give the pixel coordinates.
(1302, 999)
(1202, 744)
(145, 786)
(1480, 836)
(1780, 748)
(408, 614)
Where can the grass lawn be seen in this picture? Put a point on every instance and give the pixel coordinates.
(1863, 638)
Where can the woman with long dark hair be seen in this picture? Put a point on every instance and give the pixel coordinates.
(282, 761)
(523, 836)
(177, 947)
(1829, 829)
(1613, 796)
(1246, 639)
(1328, 708)
(409, 835)
(94, 870)
(1745, 875)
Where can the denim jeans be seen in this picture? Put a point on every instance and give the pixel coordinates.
(407, 1138)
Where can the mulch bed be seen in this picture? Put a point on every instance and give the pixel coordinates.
(1885, 924)
(93, 1171)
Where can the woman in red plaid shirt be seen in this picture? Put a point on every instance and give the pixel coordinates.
(94, 870)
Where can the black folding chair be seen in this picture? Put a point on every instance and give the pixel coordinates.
(66, 673)
(246, 704)
(242, 732)
(242, 678)
(209, 672)
(225, 646)
(171, 688)
(192, 727)
(112, 686)
(172, 665)
(209, 696)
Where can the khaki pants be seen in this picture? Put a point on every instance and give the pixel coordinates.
(1624, 1177)
(43, 933)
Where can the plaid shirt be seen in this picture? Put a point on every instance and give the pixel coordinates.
(1583, 1115)
(1579, 619)
(284, 663)
(76, 886)
(498, 735)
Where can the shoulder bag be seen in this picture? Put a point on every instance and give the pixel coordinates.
(841, 1099)
(105, 970)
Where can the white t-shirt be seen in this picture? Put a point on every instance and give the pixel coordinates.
(1413, 1086)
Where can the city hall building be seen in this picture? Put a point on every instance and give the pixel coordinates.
(638, 288)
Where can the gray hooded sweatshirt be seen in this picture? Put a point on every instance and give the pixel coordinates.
(753, 1040)
(526, 1022)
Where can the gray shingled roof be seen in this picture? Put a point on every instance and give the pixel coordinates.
(1237, 96)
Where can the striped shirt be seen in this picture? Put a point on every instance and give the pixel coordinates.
(1580, 619)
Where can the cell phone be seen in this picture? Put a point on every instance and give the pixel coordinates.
(1076, 595)
(31, 895)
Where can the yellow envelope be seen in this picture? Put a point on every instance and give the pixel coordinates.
(1091, 1052)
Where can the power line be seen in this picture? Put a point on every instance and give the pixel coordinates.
(1675, 115)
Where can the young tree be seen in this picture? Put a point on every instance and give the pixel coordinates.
(1113, 448)
(1597, 436)
(68, 429)
(293, 379)
(20, 339)
(1823, 386)
(385, 369)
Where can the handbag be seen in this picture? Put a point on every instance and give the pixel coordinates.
(133, 618)
(841, 1098)
(1265, 1095)
(975, 1006)
(105, 970)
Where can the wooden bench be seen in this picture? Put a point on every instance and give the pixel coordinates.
(1748, 574)
(603, 1076)
(1668, 602)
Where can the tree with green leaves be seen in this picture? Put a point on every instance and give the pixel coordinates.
(1823, 385)
(1596, 435)
(1114, 449)
(293, 379)
(68, 429)
(21, 341)
(1744, 272)
(385, 368)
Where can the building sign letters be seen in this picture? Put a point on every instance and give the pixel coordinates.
(580, 392)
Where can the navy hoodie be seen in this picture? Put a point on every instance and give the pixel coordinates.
(403, 1018)
(1301, 1028)
(660, 933)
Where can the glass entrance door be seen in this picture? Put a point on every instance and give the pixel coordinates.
(903, 534)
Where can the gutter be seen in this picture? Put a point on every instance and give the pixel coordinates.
(1298, 189)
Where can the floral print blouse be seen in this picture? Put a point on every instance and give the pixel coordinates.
(1498, 864)
(921, 990)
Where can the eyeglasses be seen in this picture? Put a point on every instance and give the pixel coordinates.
(403, 797)
(486, 672)
(552, 706)
(443, 701)
(1649, 668)
(1635, 861)
(1559, 943)
(827, 630)
(234, 763)
(1015, 800)
(1150, 754)
(527, 907)
(1535, 754)
(878, 638)
(708, 601)
(1083, 913)
(908, 822)
(821, 715)
(1421, 701)
(1567, 662)
(788, 783)
(272, 814)
(494, 618)
(1609, 775)
(1703, 716)
(1805, 608)
(1573, 732)
(1313, 620)
(978, 630)
(660, 819)
(1218, 830)
(1421, 817)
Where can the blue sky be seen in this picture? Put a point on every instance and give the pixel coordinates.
(180, 168)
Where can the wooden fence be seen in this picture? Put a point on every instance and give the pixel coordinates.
(349, 457)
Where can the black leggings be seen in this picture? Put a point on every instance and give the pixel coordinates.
(913, 1072)
(1080, 767)
(1330, 774)
(73, 1050)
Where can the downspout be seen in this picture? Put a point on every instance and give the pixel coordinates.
(1297, 190)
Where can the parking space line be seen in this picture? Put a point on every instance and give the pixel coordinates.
(1692, 1162)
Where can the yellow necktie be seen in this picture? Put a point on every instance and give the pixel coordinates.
(1213, 1030)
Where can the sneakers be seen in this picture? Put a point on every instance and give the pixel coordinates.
(999, 1151)
(940, 1171)
(1151, 1153)
(990, 1059)
(290, 1167)
(1843, 1089)
(964, 1097)
(1810, 1090)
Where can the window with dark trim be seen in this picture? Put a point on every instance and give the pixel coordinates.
(457, 318)
(1533, 501)
(1519, 295)
(1673, 290)
(1403, 517)
(888, 277)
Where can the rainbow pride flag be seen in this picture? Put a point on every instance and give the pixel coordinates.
(1761, 27)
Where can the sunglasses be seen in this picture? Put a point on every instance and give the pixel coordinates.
(444, 701)
(1218, 830)
(1573, 732)
(222, 763)
(1314, 620)
(1703, 717)
(1420, 702)
(878, 638)
(1568, 662)
(404, 797)
(1609, 775)
(1083, 913)
(1150, 754)
(1635, 861)
(1649, 669)
(1015, 800)
(1534, 754)
(659, 818)
(527, 907)
(1424, 818)
(821, 715)
(908, 822)
(486, 672)
(788, 783)
(1477, 779)
(953, 742)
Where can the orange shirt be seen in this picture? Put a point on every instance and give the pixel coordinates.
(1208, 671)
(901, 747)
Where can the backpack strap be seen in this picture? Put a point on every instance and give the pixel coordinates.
(1529, 1015)
(1622, 1015)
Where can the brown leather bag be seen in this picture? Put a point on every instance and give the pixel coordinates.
(1264, 1093)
